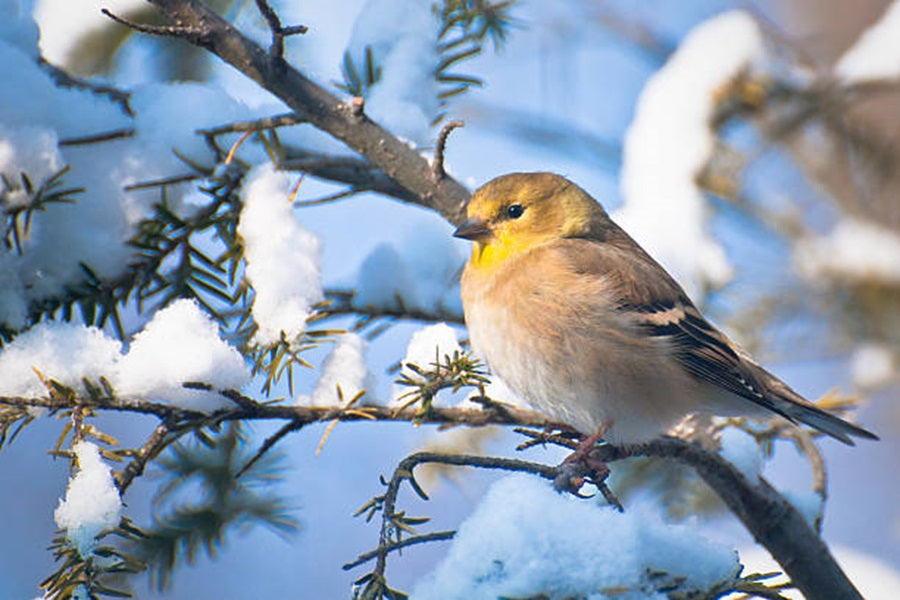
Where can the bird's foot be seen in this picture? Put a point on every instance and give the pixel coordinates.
(583, 467)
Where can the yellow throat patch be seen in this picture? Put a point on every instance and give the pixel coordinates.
(489, 255)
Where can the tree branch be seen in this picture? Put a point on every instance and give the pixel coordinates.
(247, 409)
(771, 519)
(97, 137)
(197, 24)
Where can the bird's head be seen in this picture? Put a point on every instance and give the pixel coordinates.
(516, 212)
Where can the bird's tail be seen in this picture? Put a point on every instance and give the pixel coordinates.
(794, 407)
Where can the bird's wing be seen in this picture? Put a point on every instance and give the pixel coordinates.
(655, 302)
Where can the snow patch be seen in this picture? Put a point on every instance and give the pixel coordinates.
(873, 365)
(428, 346)
(66, 352)
(527, 540)
(344, 366)
(180, 344)
(742, 450)
(283, 258)
(855, 250)
(92, 504)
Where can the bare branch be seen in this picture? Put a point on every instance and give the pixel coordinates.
(269, 443)
(143, 185)
(328, 199)
(398, 164)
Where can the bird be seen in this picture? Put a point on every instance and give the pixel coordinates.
(585, 326)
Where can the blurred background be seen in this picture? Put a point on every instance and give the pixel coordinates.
(803, 194)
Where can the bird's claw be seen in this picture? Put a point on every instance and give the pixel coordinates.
(576, 471)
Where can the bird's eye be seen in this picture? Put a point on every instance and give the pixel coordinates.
(515, 211)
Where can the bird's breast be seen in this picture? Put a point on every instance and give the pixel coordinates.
(558, 341)
(531, 327)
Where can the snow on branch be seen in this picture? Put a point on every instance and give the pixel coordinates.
(283, 259)
(92, 504)
(769, 517)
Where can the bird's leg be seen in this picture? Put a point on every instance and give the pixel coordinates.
(583, 452)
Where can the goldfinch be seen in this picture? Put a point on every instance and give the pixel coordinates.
(577, 319)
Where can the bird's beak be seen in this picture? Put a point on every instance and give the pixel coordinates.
(472, 229)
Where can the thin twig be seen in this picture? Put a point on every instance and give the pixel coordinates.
(234, 147)
(143, 185)
(539, 438)
(436, 536)
(269, 443)
(96, 138)
(158, 440)
(437, 167)
(404, 471)
(342, 304)
(276, 49)
(65, 79)
(195, 35)
(327, 199)
(273, 122)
